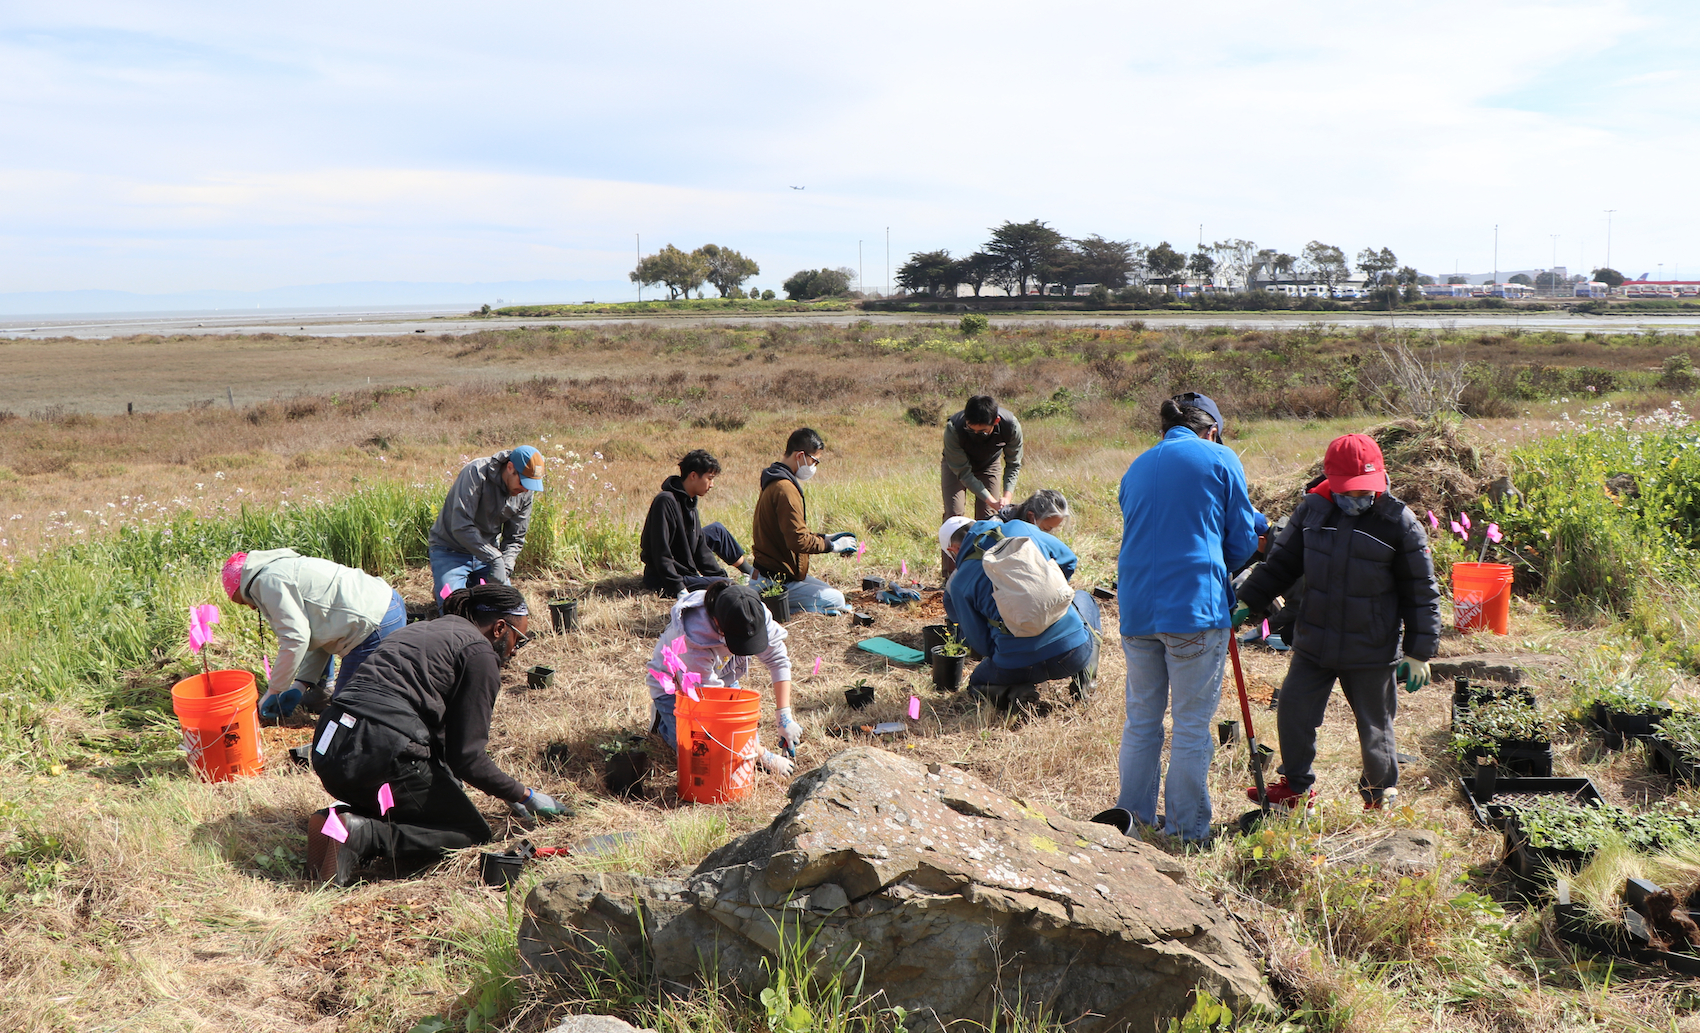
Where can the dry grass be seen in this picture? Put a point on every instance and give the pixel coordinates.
(142, 905)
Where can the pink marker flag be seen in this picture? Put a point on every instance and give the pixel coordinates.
(1493, 534)
(816, 672)
(386, 799)
(665, 681)
(1265, 629)
(1465, 520)
(1433, 521)
(861, 547)
(445, 593)
(334, 827)
(266, 662)
(905, 569)
(201, 620)
(914, 708)
(1459, 531)
(689, 682)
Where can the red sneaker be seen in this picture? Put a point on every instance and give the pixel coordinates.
(1282, 795)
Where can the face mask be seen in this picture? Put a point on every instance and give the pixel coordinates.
(805, 472)
(1354, 505)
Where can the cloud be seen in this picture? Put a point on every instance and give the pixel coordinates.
(173, 146)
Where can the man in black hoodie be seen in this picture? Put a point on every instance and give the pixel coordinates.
(679, 554)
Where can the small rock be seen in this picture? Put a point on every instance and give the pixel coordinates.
(596, 1024)
(1407, 850)
(829, 896)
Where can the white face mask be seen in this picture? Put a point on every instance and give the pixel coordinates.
(805, 471)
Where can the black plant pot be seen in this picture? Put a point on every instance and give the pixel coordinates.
(862, 620)
(626, 772)
(1227, 732)
(859, 697)
(1487, 780)
(873, 584)
(779, 606)
(501, 870)
(947, 670)
(563, 615)
(540, 677)
(933, 635)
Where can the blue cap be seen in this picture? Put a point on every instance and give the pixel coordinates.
(1198, 401)
(1261, 522)
(528, 463)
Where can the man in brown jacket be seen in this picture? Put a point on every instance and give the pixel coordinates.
(783, 541)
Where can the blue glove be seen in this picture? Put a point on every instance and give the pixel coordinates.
(279, 705)
(898, 596)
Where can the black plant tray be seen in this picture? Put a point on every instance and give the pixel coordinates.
(1533, 865)
(1465, 697)
(1667, 758)
(1619, 726)
(1509, 792)
(1627, 941)
(1522, 757)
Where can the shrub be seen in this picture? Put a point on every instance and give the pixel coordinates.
(973, 324)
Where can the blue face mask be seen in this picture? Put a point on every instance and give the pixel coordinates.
(1354, 505)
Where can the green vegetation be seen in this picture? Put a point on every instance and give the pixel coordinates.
(693, 306)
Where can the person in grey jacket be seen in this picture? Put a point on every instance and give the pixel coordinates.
(1368, 576)
(977, 441)
(481, 529)
(317, 609)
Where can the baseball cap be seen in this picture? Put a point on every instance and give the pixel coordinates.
(1260, 523)
(742, 619)
(948, 530)
(528, 463)
(1198, 401)
(1353, 462)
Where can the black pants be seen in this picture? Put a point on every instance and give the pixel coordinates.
(724, 545)
(1374, 700)
(432, 813)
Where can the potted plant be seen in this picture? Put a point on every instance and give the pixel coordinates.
(1630, 707)
(563, 615)
(859, 695)
(1676, 745)
(773, 597)
(948, 659)
(1508, 727)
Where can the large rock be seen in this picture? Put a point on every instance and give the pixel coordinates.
(950, 898)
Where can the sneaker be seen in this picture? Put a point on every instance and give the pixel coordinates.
(1380, 799)
(334, 862)
(1282, 795)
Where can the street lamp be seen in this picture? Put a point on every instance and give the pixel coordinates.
(1609, 212)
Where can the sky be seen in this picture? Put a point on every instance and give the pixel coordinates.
(156, 147)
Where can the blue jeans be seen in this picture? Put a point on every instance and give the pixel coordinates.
(1065, 665)
(395, 618)
(810, 595)
(1185, 671)
(664, 725)
(454, 570)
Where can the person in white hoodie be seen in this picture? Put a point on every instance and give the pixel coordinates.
(723, 626)
(317, 609)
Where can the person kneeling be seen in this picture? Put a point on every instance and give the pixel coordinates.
(1367, 575)
(1026, 636)
(720, 628)
(783, 542)
(396, 742)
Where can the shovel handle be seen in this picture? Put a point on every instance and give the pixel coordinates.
(1239, 683)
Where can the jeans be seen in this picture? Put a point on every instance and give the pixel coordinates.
(1078, 659)
(1185, 671)
(664, 725)
(395, 618)
(454, 570)
(724, 545)
(810, 595)
(1374, 699)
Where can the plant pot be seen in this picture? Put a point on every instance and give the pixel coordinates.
(862, 620)
(1227, 732)
(947, 670)
(1639, 726)
(540, 677)
(1534, 865)
(873, 584)
(558, 757)
(563, 615)
(1487, 778)
(859, 697)
(501, 870)
(625, 773)
(779, 606)
(933, 635)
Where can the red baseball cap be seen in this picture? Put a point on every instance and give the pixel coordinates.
(1354, 462)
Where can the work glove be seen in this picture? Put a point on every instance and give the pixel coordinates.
(773, 762)
(1413, 672)
(1241, 614)
(790, 732)
(497, 572)
(843, 543)
(279, 705)
(539, 803)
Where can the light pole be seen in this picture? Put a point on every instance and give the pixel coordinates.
(1495, 282)
(1552, 274)
(639, 237)
(888, 261)
(1609, 212)
(861, 285)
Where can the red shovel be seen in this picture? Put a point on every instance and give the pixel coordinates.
(1259, 752)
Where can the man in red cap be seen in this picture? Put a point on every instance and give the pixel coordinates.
(1369, 589)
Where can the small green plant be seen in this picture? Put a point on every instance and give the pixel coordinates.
(773, 590)
(1061, 403)
(1682, 730)
(1565, 824)
(953, 645)
(973, 324)
(281, 862)
(1207, 1015)
(1490, 722)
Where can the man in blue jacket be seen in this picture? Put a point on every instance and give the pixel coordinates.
(1013, 665)
(1186, 522)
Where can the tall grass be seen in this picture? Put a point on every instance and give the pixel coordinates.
(75, 619)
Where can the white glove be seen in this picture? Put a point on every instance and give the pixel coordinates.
(790, 732)
(773, 762)
(845, 546)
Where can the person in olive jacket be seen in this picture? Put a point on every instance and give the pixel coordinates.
(1369, 592)
(982, 458)
(396, 742)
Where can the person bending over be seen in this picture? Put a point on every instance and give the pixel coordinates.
(317, 609)
(679, 553)
(783, 541)
(722, 627)
(416, 718)
(481, 529)
(1369, 588)
(978, 441)
(1013, 664)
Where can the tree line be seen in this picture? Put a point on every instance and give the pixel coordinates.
(1019, 254)
(684, 271)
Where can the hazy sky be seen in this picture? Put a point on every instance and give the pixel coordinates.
(159, 147)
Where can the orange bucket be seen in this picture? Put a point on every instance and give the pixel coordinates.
(718, 744)
(1481, 597)
(219, 713)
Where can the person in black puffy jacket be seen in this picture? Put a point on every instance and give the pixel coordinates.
(1369, 594)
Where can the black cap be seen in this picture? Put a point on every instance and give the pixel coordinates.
(743, 620)
(1198, 401)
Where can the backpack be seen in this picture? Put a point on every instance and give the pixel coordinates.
(1027, 585)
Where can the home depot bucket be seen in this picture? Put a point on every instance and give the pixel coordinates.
(1481, 597)
(221, 723)
(717, 744)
